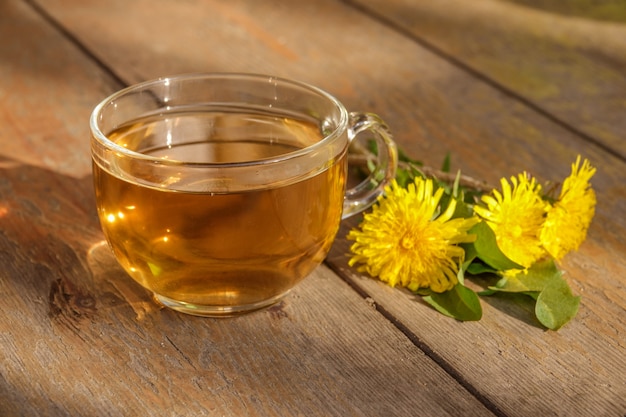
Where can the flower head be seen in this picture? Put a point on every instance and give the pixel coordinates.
(568, 220)
(516, 216)
(405, 239)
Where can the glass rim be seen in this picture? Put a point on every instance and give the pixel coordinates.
(103, 139)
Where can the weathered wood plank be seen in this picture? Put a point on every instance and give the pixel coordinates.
(552, 56)
(86, 341)
(508, 356)
(77, 337)
(45, 107)
(433, 107)
(608, 10)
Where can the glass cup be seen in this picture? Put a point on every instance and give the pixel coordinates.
(220, 192)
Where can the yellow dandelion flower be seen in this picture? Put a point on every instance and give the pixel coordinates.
(569, 218)
(516, 215)
(404, 240)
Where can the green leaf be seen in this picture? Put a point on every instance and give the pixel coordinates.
(402, 156)
(404, 177)
(532, 294)
(487, 249)
(473, 265)
(462, 209)
(372, 146)
(460, 303)
(556, 305)
(423, 291)
(460, 275)
(477, 267)
(470, 255)
(445, 167)
(536, 278)
(455, 186)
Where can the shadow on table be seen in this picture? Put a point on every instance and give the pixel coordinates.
(49, 227)
(99, 332)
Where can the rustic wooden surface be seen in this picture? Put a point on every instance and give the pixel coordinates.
(504, 86)
(563, 59)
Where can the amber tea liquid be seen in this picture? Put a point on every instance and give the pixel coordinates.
(218, 250)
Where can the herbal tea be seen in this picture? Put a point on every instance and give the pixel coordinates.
(219, 249)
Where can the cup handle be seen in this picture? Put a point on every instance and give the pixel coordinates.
(364, 195)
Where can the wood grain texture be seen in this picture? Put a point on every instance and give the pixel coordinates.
(79, 338)
(553, 57)
(423, 98)
(44, 80)
(324, 348)
(508, 356)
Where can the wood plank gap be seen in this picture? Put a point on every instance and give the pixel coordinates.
(75, 41)
(483, 78)
(420, 344)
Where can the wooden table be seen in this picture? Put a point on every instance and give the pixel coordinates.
(505, 86)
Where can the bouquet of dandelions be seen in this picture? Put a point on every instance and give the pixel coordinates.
(428, 233)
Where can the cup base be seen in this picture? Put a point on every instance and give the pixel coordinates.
(215, 311)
